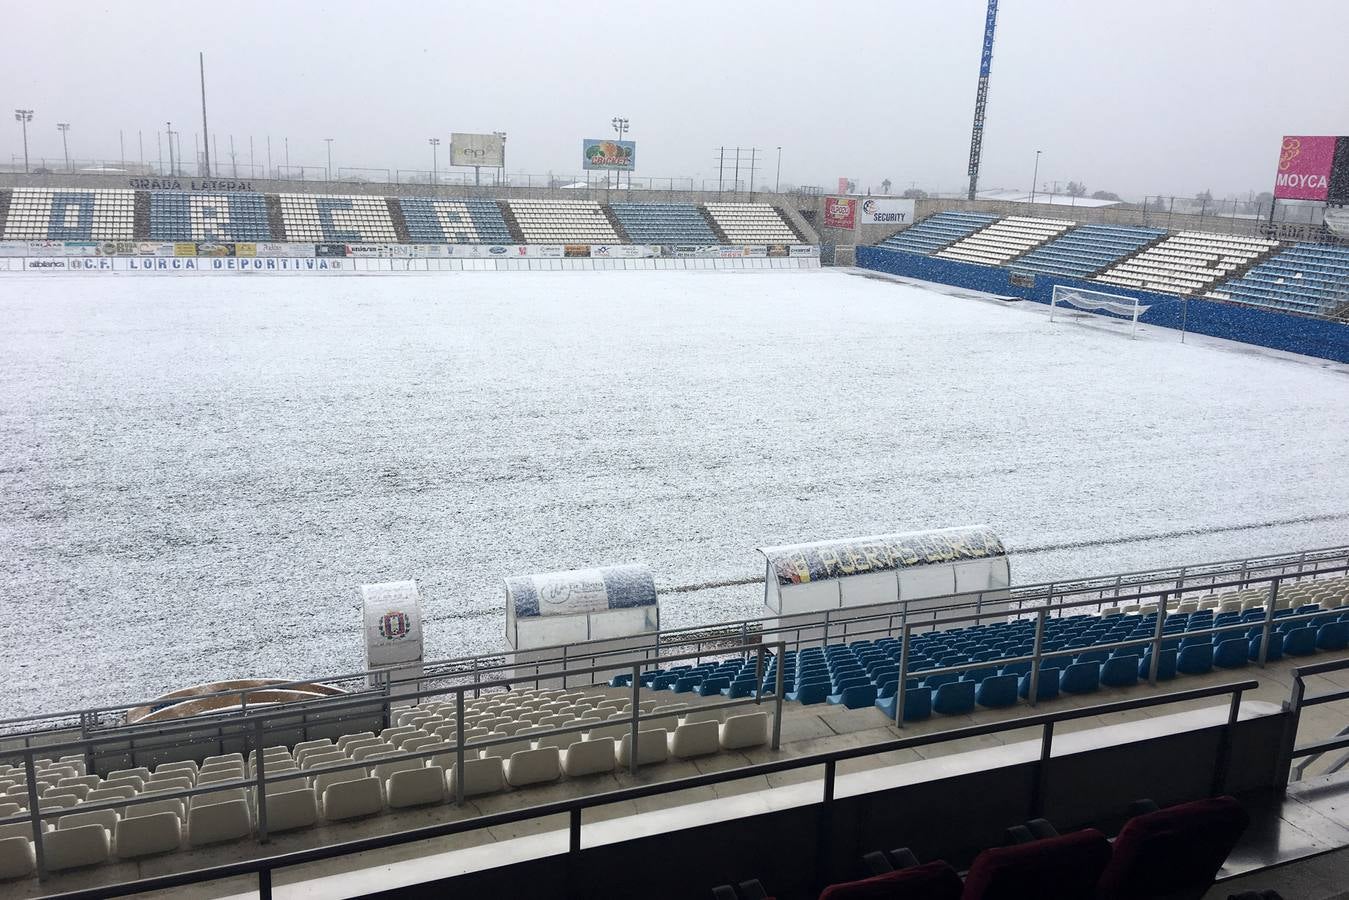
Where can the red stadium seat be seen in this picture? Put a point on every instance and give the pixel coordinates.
(1060, 868)
(931, 881)
(1173, 853)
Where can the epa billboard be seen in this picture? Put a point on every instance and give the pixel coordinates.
(612, 155)
(477, 150)
(840, 212)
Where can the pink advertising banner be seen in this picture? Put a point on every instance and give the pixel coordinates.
(1304, 168)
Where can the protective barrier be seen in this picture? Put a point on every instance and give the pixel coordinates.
(361, 265)
(1321, 338)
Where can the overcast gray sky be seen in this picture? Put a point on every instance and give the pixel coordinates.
(1136, 97)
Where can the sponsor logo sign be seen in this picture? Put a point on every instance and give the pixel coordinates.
(1305, 166)
(573, 250)
(190, 184)
(885, 211)
(477, 150)
(609, 155)
(778, 250)
(330, 250)
(184, 249)
(212, 249)
(804, 250)
(840, 212)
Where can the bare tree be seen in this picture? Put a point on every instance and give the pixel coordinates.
(1076, 189)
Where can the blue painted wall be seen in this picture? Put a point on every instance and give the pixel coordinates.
(1267, 328)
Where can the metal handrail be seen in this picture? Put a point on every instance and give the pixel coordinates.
(454, 667)
(251, 726)
(574, 807)
(1297, 701)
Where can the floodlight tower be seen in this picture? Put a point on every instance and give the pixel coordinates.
(23, 117)
(981, 95)
(64, 127)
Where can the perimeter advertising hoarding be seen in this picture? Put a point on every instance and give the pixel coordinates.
(608, 155)
(840, 212)
(1313, 167)
(885, 211)
(477, 150)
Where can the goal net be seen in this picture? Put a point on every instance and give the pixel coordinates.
(1117, 305)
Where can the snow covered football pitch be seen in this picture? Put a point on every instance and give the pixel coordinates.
(197, 474)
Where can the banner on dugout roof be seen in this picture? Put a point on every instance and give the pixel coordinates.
(609, 155)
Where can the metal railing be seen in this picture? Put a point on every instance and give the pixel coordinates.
(1312, 752)
(574, 808)
(253, 729)
(713, 640)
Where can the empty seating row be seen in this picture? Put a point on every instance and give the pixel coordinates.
(130, 813)
(751, 223)
(320, 218)
(1187, 262)
(664, 223)
(183, 216)
(1004, 240)
(1306, 278)
(70, 215)
(562, 221)
(937, 231)
(437, 221)
(1085, 250)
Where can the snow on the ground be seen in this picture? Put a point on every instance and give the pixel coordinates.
(197, 474)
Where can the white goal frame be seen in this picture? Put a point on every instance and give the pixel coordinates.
(1092, 301)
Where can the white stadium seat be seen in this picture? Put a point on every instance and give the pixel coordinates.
(16, 858)
(289, 810)
(352, 799)
(71, 848)
(588, 757)
(695, 739)
(748, 730)
(218, 822)
(160, 832)
(416, 787)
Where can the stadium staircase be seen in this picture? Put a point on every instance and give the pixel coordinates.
(140, 224)
(4, 209)
(275, 222)
(792, 224)
(712, 223)
(1143, 249)
(617, 225)
(517, 234)
(400, 222)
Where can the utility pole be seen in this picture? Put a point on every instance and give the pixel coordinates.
(753, 158)
(64, 127)
(201, 62)
(435, 168)
(329, 142)
(721, 167)
(234, 162)
(23, 117)
(1035, 176)
(777, 181)
(168, 127)
(735, 185)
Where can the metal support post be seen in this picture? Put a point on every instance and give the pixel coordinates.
(1267, 627)
(778, 688)
(1037, 656)
(636, 711)
(260, 756)
(459, 772)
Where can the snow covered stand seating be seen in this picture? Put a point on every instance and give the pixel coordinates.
(904, 575)
(614, 607)
(393, 633)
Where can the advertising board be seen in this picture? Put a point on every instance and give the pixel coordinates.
(608, 155)
(885, 211)
(477, 150)
(840, 212)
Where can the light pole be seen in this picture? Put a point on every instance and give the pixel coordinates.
(1035, 176)
(65, 147)
(23, 117)
(777, 181)
(434, 142)
(329, 142)
(621, 126)
(502, 135)
(168, 126)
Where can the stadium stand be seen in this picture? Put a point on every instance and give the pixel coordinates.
(664, 223)
(318, 218)
(1086, 250)
(1004, 240)
(562, 221)
(863, 673)
(1305, 278)
(70, 215)
(751, 223)
(1188, 262)
(937, 231)
(183, 216)
(437, 221)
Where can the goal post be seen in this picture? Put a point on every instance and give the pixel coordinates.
(1098, 301)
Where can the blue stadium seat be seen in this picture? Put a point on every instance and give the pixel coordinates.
(1120, 671)
(937, 231)
(857, 696)
(1307, 279)
(1275, 646)
(997, 691)
(812, 692)
(1080, 678)
(1299, 642)
(1195, 660)
(956, 698)
(1085, 250)
(1334, 636)
(1231, 653)
(1166, 665)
